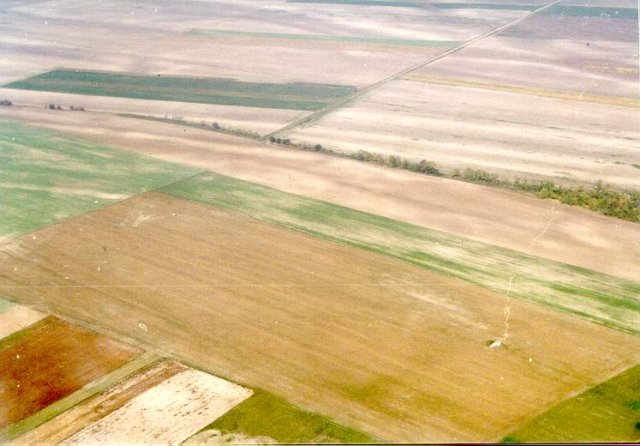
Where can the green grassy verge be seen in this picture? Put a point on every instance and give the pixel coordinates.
(266, 415)
(46, 176)
(325, 38)
(597, 297)
(100, 385)
(491, 6)
(593, 12)
(609, 412)
(294, 96)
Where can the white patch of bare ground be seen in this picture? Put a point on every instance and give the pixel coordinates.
(168, 413)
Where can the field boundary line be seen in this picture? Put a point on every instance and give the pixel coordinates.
(315, 116)
(518, 89)
(623, 368)
(101, 384)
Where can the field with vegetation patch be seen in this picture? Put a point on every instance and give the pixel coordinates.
(609, 412)
(46, 177)
(292, 313)
(601, 298)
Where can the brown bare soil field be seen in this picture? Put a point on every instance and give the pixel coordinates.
(509, 133)
(93, 409)
(51, 361)
(540, 227)
(356, 336)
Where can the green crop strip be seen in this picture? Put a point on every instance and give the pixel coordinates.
(294, 96)
(600, 298)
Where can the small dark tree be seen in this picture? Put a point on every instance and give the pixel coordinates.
(272, 139)
(215, 126)
(317, 147)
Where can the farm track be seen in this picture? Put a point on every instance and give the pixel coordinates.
(313, 117)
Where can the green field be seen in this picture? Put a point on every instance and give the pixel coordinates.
(597, 297)
(325, 38)
(593, 12)
(393, 3)
(494, 6)
(266, 415)
(609, 412)
(46, 177)
(294, 96)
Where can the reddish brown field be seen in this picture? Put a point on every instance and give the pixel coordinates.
(52, 360)
(98, 406)
(359, 337)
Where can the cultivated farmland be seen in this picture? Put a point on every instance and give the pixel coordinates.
(292, 313)
(47, 362)
(604, 299)
(185, 89)
(553, 97)
(541, 228)
(310, 221)
(14, 318)
(190, 399)
(608, 412)
(47, 177)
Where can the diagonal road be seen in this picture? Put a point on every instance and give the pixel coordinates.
(313, 117)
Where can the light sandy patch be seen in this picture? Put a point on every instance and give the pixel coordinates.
(16, 318)
(571, 235)
(166, 414)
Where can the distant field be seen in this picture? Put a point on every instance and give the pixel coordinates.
(609, 412)
(495, 6)
(326, 38)
(50, 360)
(293, 96)
(597, 297)
(360, 337)
(592, 11)
(46, 176)
(392, 3)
